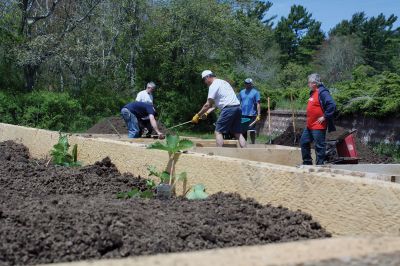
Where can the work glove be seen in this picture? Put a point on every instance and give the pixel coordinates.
(204, 116)
(258, 118)
(196, 119)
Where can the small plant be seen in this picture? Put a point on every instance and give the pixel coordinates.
(60, 153)
(136, 193)
(165, 177)
(173, 146)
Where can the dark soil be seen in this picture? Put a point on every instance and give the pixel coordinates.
(104, 127)
(54, 214)
(365, 153)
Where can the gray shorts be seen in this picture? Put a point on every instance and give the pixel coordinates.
(229, 121)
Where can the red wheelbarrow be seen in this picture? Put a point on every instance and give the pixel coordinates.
(342, 150)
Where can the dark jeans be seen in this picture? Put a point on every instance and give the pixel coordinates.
(318, 137)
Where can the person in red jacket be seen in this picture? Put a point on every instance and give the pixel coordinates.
(320, 110)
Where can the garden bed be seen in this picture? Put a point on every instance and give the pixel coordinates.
(50, 214)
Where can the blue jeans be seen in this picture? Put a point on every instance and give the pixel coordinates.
(131, 123)
(318, 137)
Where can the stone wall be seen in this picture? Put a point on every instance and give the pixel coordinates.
(369, 129)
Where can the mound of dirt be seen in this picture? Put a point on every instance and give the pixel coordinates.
(54, 214)
(365, 153)
(104, 127)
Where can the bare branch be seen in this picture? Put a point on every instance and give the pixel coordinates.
(75, 23)
(33, 20)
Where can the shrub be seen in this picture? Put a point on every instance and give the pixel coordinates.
(376, 96)
(9, 108)
(50, 110)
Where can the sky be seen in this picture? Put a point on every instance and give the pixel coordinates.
(331, 12)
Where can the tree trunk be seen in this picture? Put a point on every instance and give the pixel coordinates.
(29, 75)
(132, 68)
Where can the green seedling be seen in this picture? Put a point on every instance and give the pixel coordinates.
(197, 192)
(174, 146)
(60, 153)
(135, 193)
(164, 176)
(150, 184)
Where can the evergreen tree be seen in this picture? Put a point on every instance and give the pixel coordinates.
(377, 37)
(298, 36)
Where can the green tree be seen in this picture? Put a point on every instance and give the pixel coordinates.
(378, 38)
(43, 28)
(255, 10)
(183, 39)
(298, 36)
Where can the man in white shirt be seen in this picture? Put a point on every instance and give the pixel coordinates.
(146, 96)
(222, 96)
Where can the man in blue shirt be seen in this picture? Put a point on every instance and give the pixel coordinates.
(138, 110)
(249, 98)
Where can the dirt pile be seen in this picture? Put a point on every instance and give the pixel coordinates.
(365, 153)
(53, 214)
(104, 127)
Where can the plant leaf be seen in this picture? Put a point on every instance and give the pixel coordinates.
(63, 140)
(133, 193)
(172, 143)
(147, 194)
(75, 153)
(197, 192)
(153, 171)
(158, 146)
(182, 176)
(185, 144)
(165, 177)
(150, 184)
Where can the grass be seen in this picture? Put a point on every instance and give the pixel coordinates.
(265, 138)
(285, 104)
(200, 135)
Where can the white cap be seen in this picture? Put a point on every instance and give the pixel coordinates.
(248, 81)
(205, 73)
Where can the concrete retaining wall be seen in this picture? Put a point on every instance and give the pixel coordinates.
(344, 205)
(368, 129)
